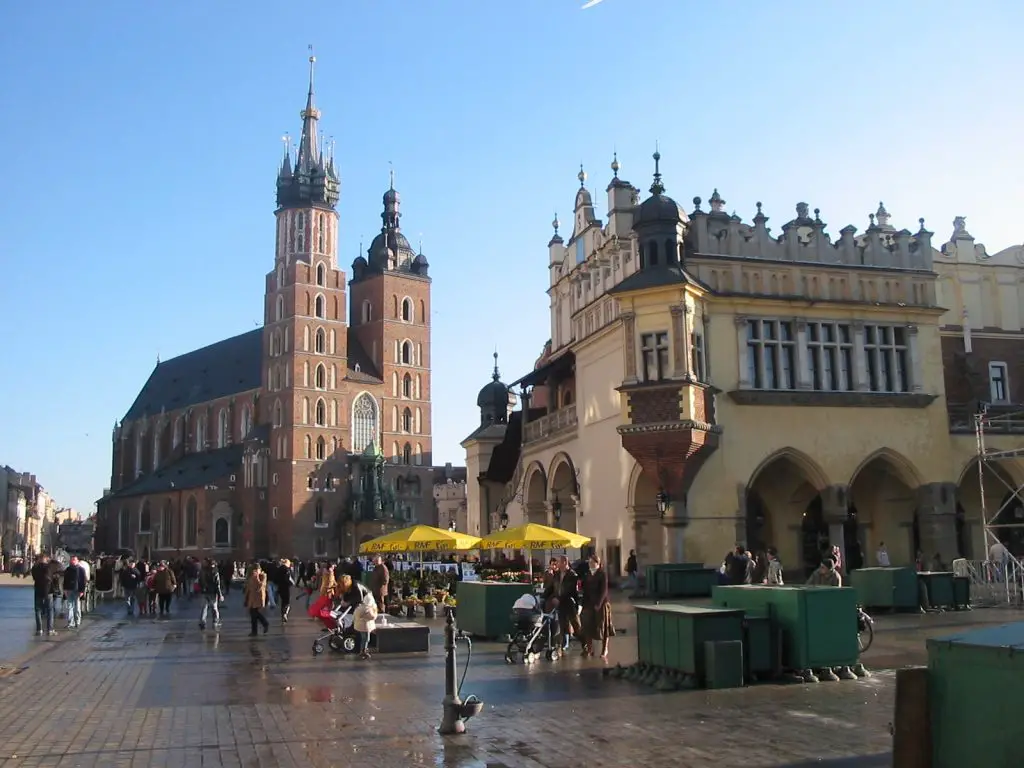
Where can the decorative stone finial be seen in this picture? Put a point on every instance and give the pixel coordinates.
(582, 176)
(817, 215)
(496, 376)
(615, 164)
(657, 187)
(717, 203)
(696, 204)
(556, 223)
(871, 218)
(758, 204)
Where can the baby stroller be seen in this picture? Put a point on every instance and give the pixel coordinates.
(533, 632)
(340, 631)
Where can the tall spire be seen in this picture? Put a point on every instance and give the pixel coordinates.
(496, 376)
(312, 178)
(309, 146)
(657, 188)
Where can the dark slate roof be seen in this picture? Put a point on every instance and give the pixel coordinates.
(557, 366)
(221, 369)
(367, 373)
(260, 434)
(656, 277)
(193, 470)
(505, 457)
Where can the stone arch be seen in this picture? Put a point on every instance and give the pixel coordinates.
(563, 491)
(1002, 482)
(221, 517)
(535, 493)
(882, 508)
(783, 510)
(642, 498)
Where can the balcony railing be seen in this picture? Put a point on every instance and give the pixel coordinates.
(561, 422)
(1002, 419)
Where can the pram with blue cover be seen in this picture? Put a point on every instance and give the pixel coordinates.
(533, 632)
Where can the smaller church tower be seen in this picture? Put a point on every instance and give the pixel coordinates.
(390, 311)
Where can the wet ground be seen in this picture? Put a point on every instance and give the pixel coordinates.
(161, 693)
(17, 624)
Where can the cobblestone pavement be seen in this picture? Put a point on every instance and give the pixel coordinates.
(150, 693)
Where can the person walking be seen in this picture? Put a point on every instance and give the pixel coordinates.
(42, 585)
(283, 580)
(380, 581)
(213, 595)
(596, 619)
(364, 618)
(129, 579)
(74, 591)
(256, 599)
(164, 584)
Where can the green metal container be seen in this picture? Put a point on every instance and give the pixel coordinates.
(819, 624)
(673, 636)
(970, 676)
(724, 661)
(891, 588)
(962, 591)
(686, 581)
(657, 583)
(940, 588)
(485, 607)
(760, 645)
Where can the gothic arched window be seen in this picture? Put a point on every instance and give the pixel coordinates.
(407, 310)
(407, 420)
(320, 342)
(364, 422)
(166, 525)
(407, 386)
(223, 429)
(321, 377)
(124, 524)
(320, 307)
(407, 454)
(321, 413)
(321, 448)
(201, 434)
(319, 512)
(406, 353)
(246, 421)
(321, 273)
(145, 518)
(191, 522)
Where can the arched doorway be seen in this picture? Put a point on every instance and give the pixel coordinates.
(535, 497)
(883, 509)
(1004, 509)
(784, 510)
(563, 494)
(647, 527)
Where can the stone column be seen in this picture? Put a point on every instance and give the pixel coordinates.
(835, 509)
(741, 350)
(680, 361)
(936, 520)
(674, 526)
(629, 331)
(802, 374)
(860, 360)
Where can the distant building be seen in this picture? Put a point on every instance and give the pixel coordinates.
(450, 500)
(76, 536)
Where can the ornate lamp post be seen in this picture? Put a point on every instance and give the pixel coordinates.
(503, 520)
(556, 510)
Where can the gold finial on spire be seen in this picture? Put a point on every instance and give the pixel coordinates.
(582, 176)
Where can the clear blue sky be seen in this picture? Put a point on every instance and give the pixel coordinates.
(140, 143)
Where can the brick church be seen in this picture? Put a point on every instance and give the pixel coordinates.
(306, 436)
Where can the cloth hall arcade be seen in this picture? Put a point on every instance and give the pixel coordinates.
(306, 436)
(709, 383)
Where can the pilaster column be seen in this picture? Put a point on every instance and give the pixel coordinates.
(680, 361)
(741, 352)
(802, 375)
(936, 520)
(914, 367)
(859, 373)
(629, 331)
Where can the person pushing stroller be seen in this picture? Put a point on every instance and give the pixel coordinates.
(353, 594)
(563, 596)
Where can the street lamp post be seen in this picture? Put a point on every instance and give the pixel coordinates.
(662, 500)
(556, 510)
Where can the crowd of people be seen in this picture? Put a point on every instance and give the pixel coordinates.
(53, 582)
(580, 598)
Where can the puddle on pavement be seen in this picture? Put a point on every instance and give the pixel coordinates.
(321, 694)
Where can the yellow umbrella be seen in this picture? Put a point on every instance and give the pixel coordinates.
(533, 536)
(420, 538)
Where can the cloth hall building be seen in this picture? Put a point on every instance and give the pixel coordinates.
(708, 383)
(306, 436)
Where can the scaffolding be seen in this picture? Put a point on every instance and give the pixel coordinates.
(998, 577)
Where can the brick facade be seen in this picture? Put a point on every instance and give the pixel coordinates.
(967, 376)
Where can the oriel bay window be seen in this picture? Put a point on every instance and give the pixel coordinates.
(771, 354)
(654, 352)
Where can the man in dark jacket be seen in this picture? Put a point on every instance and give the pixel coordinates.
(738, 567)
(43, 587)
(130, 578)
(563, 595)
(74, 591)
(213, 594)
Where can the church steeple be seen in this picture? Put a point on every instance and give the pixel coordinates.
(312, 180)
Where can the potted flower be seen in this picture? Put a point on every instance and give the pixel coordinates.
(394, 609)
(410, 604)
(429, 606)
(440, 595)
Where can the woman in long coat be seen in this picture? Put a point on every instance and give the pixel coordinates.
(364, 617)
(256, 599)
(596, 621)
